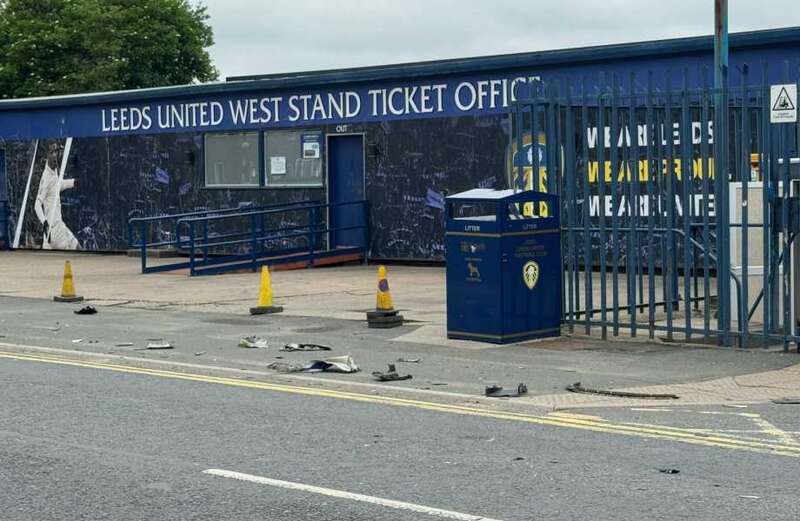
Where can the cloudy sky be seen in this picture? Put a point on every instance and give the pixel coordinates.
(270, 36)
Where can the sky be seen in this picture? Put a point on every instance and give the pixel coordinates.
(274, 36)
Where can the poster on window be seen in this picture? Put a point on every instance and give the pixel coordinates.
(310, 144)
(277, 165)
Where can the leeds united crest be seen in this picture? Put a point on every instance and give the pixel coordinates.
(530, 274)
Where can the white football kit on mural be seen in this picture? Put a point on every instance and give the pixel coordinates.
(57, 236)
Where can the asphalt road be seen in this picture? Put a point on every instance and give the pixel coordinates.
(87, 443)
(203, 431)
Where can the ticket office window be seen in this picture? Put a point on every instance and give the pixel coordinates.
(232, 160)
(293, 159)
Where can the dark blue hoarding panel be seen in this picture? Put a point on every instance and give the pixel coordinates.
(448, 96)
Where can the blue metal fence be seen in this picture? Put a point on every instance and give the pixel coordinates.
(267, 237)
(161, 232)
(211, 242)
(676, 220)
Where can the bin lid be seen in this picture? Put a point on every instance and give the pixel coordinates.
(482, 193)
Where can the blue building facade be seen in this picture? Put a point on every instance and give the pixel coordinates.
(78, 167)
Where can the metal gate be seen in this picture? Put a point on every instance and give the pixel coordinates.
(677, 221)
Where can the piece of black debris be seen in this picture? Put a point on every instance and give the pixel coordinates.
(577, 388)
(391, 375)
(86, 310)
(519, 458)
(409, 360)
(669, 471)
(305, 347)
(787, 401)
(497, 391)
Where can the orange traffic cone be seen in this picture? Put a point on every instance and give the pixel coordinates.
(384, 316)
(265, 296)
(68, 287)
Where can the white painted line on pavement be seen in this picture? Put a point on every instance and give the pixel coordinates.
(390, 503)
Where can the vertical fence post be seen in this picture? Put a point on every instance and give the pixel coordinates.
(687, 178)
(669, 178)
(143, 245)
(205, 240)
(744, 162)
(706, 171)
(312, 238)
(569, 179)
(615, 201)
(588, 262)
(652, 206)
(253, 242)
(633, 177)
(765, 163)
(191, 248)
(601, 178)
(785, 227)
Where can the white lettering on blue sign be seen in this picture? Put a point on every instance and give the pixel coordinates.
(336, 107)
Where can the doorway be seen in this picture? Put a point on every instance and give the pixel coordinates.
(346, 185)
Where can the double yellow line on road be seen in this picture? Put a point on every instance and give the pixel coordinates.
(560, 420)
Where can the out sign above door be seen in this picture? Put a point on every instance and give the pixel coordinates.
(783, 103)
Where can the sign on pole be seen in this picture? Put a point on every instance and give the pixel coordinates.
(783, 103)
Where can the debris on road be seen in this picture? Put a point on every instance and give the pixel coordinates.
(497, 391)
(305, 347)
(669, 471)
(285, 367)
(335, 364)
(409, 360)
(159, 343)
(391, 375)
(577, 388)
(86, 310)
(253, 342)
(54, 329)
(787, 401)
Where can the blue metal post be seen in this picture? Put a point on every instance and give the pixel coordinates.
(721, 159)
(143, 252)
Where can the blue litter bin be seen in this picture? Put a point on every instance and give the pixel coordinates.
(504, 266)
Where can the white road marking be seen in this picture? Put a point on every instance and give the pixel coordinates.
(390, 503)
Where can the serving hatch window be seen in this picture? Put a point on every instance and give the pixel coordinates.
(293, 158)
(231, 160)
